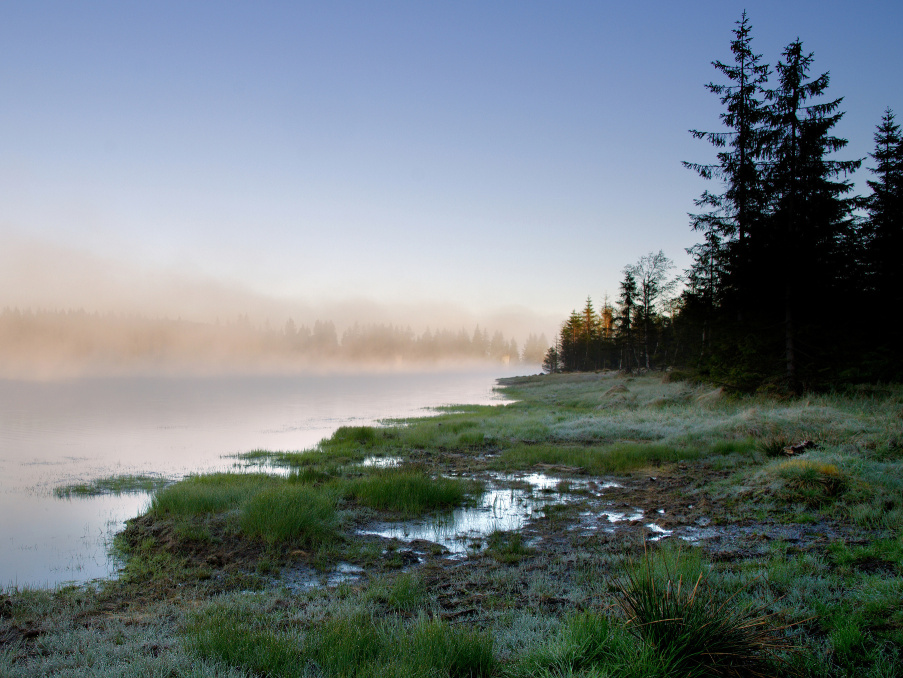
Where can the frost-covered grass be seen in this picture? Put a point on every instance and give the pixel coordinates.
(346, 642)
(519, 607)
(122, 644)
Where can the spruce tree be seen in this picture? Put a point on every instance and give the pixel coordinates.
(884, 242)
(733, 217)
(590, 338)
(885, 209)
(627, 302)
(809, 216)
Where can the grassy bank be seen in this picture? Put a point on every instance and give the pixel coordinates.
(687, 532)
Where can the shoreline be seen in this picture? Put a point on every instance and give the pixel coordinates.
(681, 479)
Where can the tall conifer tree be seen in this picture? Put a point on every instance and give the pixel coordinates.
(627, 302)
(733, 217)
(885, 208)
(809, 213)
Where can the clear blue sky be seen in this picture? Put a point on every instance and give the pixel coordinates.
(487, 155)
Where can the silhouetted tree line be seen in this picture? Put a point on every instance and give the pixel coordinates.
(637, 331)
(796, 281)
(62, 341)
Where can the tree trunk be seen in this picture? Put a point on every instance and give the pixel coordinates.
(790, 351)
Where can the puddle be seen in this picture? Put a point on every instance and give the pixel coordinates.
(500, 509)
(657, 532)
(305, 578)
(382, 462)
(622, 516)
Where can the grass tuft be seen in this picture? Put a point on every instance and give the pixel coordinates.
(291, 513)
(213, 493)
(692, 625)
(411, 492)
(811, 482)
(355, 435)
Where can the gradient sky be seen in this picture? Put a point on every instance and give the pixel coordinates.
(483, 155)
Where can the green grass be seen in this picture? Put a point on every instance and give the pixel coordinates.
(405, 593)
(507, 547)
(616, 458)
(116, 485)
(411, 492)
(346, 644)
(293, 514)
(213, 493)
(693, 626)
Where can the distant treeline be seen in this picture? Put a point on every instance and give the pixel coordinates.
(47, 343)
(797, 281)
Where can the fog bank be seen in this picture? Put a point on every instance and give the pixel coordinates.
(65, 313)
(40, 276)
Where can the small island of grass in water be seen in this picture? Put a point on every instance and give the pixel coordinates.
(665, 530)
(115, 485)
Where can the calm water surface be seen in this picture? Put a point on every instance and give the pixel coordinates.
(58, 433)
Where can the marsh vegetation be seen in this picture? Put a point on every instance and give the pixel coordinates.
(673, 535)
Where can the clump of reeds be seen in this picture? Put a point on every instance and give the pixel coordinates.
(410, 492)
(211, 493)
(773, 446)
(355, 435)
(291, 513)
(693, 627)
(115, 485)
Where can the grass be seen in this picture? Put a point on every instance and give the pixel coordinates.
(349, 644)
(691, 625)
(809, 555)
(115, 485)
(809, 481)
(292, 514)
(411, 492)
(507, 547)
(213, 493)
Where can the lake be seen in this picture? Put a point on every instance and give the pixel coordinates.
(58, 433)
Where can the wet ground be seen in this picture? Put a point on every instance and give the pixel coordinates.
(558, 515)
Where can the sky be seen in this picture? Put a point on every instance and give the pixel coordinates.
(420, 162)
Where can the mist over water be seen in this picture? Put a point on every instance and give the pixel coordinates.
(109, 368)
(62, 432)
(185, 308)
(68, 313)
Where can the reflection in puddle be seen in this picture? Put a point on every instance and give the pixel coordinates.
(658, 532)
(606, 520)
(382, 462)
(500, 509)
(618, 516)
(304, 579)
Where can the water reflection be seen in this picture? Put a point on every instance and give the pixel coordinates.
(500, 509)
(61, 433)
